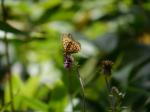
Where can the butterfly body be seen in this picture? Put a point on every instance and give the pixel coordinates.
(70, 46)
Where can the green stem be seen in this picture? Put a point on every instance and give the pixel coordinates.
(82, 89)
(7, 58)
(69, 89)
(111, 99)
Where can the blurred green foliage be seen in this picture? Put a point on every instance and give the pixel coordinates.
(117, 30)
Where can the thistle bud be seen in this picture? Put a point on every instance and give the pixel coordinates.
(68, 61)
(106, 67)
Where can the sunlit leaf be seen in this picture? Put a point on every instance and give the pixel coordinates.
(8, 28)
(35, 104)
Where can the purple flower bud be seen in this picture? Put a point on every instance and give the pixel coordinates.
(68, 60)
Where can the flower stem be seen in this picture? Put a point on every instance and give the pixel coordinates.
(7, 58)
(111, 99)
(69, 89)
(82, 89)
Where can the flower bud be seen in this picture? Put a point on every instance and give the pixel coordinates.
(106, 67)
(68, 61)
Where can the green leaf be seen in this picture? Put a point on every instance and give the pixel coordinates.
(58, 99)
(29, 90)
(35, 104)
(8, 28)
(87, 70)
(48, 13)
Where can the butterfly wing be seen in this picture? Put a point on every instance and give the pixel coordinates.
(66, 39)
(69, 44)
(73, 47)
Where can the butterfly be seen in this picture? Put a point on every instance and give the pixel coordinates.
(70, 46)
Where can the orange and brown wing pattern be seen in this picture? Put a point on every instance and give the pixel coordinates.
(69, 44)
